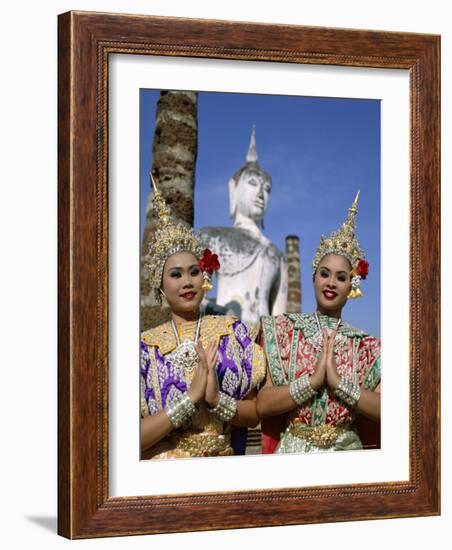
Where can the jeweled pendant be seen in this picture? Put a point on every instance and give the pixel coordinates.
(185, 356)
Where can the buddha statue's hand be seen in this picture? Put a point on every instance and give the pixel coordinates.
(197, 390)
(212, 389)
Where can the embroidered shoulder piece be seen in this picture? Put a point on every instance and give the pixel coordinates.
(258, 366)
(253, 330)
(212, 327)
(161, 336)
(270, 328)
(308, 324)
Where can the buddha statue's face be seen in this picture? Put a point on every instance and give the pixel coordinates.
(251, 195)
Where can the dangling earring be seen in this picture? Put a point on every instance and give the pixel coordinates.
(355, 290)
(207, 283)
(163, 298)
(360, 271)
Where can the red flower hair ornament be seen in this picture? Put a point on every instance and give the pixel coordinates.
(208, 263)
(360, 271)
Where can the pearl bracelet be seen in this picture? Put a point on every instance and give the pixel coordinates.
(301, 390)
(180, 411)
(226, 407)
(348, 391)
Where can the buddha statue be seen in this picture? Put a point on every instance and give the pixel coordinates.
(252, 279)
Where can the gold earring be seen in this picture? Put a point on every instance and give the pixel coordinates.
(163, 298)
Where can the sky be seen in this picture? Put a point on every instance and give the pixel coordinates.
(318, 151)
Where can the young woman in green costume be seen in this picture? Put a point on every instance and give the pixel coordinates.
(322, 373)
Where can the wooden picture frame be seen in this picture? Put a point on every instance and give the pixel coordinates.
(86, 40)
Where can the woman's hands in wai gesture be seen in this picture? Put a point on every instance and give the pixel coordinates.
(326, 372)
(204, 385)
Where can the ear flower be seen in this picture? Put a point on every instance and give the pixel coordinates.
(362, 269)
(209, 262)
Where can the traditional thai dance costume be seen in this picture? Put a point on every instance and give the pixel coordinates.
(169, 357)
(293, 344)
(323, 420)
(164, 381)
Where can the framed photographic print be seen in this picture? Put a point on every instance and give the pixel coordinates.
(335, 111)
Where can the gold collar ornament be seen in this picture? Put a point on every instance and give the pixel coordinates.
(213, 327)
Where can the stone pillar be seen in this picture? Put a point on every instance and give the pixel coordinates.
(293, 268)
(174, 151)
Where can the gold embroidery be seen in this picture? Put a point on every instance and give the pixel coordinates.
(155, 379)
(143, 404)
(161, 336)
(191, 444)
(258, 372)
(144, 408)
(237, 354)
(253, 331)
(206, 422)
(213, 327)
(322, 436)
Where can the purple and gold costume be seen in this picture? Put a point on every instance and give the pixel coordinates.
(240, 368)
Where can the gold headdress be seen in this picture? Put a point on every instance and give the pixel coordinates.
(170, 237)
(344, 243)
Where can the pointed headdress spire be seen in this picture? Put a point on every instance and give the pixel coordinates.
(343, 242)
(171, 236)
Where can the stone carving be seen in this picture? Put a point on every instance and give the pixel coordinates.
(252, 280)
